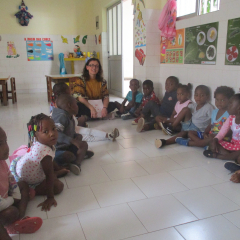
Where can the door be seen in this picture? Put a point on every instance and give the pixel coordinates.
(114, 16)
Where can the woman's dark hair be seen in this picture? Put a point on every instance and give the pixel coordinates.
(186, 88)
(204, 88)
(59, 88)
(224, 90)
(35, 125)
(174, 79)
(148, 83)
(85, 73)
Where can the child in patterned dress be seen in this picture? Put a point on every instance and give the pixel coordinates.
(221, 149)
(36, 166)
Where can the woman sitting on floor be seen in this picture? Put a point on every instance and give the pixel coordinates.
(92, 86)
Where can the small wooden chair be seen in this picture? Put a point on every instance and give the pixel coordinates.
(1, 93)
(13, 91)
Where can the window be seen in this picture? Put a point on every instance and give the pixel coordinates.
(196, 7)
(114, 14)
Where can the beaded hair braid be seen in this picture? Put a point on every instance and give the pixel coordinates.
(34, 125)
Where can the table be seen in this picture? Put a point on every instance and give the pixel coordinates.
(56, 79)
(3, 82)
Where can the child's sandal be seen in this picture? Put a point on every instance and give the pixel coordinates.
(209, 154)
(25, 225)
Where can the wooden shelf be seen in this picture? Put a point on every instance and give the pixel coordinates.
(72, 60)
(75, 59)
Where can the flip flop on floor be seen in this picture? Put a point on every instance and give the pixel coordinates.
(209, 154)
(25, 225)
(140, 124)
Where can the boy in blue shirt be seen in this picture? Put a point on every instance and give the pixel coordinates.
(134, 99)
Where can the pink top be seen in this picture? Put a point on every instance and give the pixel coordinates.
(178, 107)
(230, 123)
(8, 187)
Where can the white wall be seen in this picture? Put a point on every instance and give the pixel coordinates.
(30, 75)
(213, 75)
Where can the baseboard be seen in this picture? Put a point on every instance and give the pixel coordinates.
(37, 90)
(116, 93)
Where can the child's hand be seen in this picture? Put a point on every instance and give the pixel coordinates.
(47, 204)
(205, 135)
(235, 177)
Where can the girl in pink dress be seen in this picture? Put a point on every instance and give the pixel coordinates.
(228, 150)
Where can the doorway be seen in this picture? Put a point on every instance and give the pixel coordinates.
(120, 47)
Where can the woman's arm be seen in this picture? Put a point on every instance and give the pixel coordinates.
(47, 166)
(88, 105)
(105, 106)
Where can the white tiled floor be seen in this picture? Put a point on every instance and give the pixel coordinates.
(131, 190)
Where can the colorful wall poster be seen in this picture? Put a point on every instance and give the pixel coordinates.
(39, 49)
(201, 44)
(140, 36)
(233, 42)
(11, 50)
(172, 50)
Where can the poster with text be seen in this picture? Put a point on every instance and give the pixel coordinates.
(172, 51)
(233, 42)
(201, 44)
(39, 50)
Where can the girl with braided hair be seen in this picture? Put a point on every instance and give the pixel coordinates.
(36, 166)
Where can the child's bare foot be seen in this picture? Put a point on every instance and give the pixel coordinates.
(235, 177)
(157, 126)
(62, 172)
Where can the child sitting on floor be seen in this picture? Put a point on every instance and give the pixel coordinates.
(134, 99)
(165, 109)
(60, 88)
(88, 134)
(13, 199)
(148, 95)
(197, 117)
(173, 124)
(39, 158)
(70, 149)
(222, 96)
(224, 150)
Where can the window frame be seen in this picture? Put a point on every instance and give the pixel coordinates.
(196, 13)
(117, 43)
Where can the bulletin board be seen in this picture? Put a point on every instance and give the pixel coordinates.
(39, 49)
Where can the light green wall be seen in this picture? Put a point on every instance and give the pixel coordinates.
(61, 16)
(49, 17)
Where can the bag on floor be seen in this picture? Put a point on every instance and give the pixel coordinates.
(167, 19)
